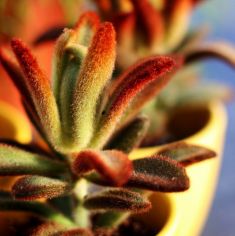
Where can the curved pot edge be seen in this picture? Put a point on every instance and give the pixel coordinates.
(188, 210)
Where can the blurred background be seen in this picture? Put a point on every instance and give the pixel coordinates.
(217, 15)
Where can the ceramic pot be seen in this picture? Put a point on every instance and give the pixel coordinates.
(184, 214)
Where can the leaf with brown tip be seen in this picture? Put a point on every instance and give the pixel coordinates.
(34, 187)
(158, 173)
(14, 72)
(129, 85)
(96, 70)
(117, 200)
(114, 166)
(40, 91)
(218, 50)
(186, 154)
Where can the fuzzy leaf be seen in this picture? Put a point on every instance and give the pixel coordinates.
(186, 153)
(52, 229)
(158, 173)
(151, 91)
(130, 136)
(150, 21)
(17, 77)
(218, 50)
(34, 187)
(117, 200)
(14, 161)
(40, 209)
(69, 56)
(40, 91)
(81, 34)
(48, 229)
(114, 166)
(96, 70)
(129, 85)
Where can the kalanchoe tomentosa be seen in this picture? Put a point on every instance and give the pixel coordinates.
(153, 27)
(90, 124)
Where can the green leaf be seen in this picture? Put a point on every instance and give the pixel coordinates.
(117, 200)
(96, 70)
(34, 187)
(80, 35)
(130, 136)
(14, 161)
(186, 153)
(70, 55)
(40, 209)
(114, 166)
(158, 173)
(110, 219)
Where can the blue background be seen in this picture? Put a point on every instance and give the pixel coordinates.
(220, 16)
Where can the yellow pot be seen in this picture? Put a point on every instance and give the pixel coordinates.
(13, 124)
(184, 214)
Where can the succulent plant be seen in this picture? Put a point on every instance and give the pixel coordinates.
(150, 28)
(146, 28)
(89, 124)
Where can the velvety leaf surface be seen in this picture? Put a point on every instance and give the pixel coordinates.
(130, 136)
(158, 173)
(14, 161)
(128, 86)
(70, 52)
(33, 187)
(96, 70)
(186, 153)
(80, 35)
(118, 200)
(16, 75)
(40, 91)
(114, 166)
(52, 229)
